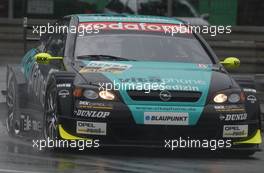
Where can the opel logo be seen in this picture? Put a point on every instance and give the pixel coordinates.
(165, 95)
(64, 93)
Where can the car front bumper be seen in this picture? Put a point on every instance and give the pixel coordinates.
(122, 129)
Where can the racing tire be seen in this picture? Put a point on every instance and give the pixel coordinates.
(50, 121)
(12, 123)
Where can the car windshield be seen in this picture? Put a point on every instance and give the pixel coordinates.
(141, 47)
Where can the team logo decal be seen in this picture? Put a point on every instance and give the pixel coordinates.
(165, 95)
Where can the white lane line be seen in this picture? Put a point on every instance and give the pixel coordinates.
(16, 171)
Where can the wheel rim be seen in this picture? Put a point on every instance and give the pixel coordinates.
(9, 119)
(10, 100)
(51, 116)
(10, 96)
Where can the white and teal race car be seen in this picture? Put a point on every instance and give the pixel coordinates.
(130, 82)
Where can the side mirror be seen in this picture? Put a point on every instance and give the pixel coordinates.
(45, 58)
(231, 63)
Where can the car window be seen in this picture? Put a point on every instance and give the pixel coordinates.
(56, 41)
(143, 47)
(55, 45)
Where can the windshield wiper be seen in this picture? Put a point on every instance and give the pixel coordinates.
(103, 57)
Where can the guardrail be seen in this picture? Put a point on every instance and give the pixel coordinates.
(246, 43)
(11, 36)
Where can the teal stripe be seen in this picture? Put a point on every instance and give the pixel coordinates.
(144, 19)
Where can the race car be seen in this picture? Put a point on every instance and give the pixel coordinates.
(129, 80)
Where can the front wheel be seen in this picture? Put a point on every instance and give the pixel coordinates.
(50, 124)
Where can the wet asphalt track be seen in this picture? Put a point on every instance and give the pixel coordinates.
(18, 156)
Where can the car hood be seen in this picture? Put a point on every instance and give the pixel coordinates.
(203, 78)
(159, 75)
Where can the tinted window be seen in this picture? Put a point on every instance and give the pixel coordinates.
(56, 41)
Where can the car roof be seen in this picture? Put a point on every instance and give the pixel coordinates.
(126, 18)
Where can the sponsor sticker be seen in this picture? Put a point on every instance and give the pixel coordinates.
(91, 114)
(30, 124)
(90, 128)
(166, 108)
(203, 66)
(94, 105)
(166, 118)
(229, 108)
(249, 90)
(235, 131)
(252, 98)
(66, 85)
(99, 67)
(133, 26)
(234, 117)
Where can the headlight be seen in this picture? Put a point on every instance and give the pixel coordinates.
(106, 95)
(220, 98)
(234, 98)
(90, 94)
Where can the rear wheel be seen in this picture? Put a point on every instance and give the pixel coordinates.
(12, 123)
(50, 124)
